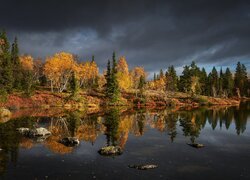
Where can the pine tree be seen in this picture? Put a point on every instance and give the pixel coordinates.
(228, 83)
(141, 85)
(93, 58)
(6, 74)
(185, 80)
(112, 86)
(203, 82)
(108, 81)
(154, 77)
(240, 79)
(17, 69)
(220, 83)
(161, 73)
(74, 85)
(114, 82)
(213, 82)
(171, 79)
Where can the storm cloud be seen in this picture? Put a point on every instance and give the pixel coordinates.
(154, 34)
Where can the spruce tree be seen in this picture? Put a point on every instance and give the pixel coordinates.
(6, 71)
(171, 79)
(17, 69)
(203, 82)
(112, 87)
(213, 82)
(228, 83)
(161, 73)
(108, 90)
(74, 85)
(114, 82)
(240, 79)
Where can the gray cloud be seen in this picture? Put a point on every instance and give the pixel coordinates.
(154, 34)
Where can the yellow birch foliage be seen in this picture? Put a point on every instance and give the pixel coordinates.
(58, 69)
(123, 76)
(87, 72)
(136, 73)
(27, 62)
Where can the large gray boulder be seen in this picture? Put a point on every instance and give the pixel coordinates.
(110, 150)
(42, 132)
(70, 141)
(39, 132)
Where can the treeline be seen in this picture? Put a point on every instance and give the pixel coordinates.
(196, 81)
(65, 72)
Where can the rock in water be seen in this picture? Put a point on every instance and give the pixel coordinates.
(110, 150)
(23, 131)
(39, 132)
(143, 166)
(196, 145)
(70, 141)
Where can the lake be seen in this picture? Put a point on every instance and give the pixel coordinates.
(146, 137)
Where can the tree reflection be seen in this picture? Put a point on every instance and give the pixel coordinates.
(111, 123)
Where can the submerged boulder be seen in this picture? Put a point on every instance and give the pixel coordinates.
(110, 150)
(143, 166)
(69, 141)
(196, 145)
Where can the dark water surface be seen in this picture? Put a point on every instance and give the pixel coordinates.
(155, 137)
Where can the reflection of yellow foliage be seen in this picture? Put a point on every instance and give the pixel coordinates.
(56, 147)
(87, 133)
(26, 143)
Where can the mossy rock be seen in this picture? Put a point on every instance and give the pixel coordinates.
(110, 151)
(5, 112)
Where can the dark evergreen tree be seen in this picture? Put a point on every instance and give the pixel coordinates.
(228, 83)
(6, 70)
(213, 82)
(171, 79)
(74, 84)
(220, 83)
(161, 74)
(17, 69)
(108, 89)
(141, 85)
(154, 77)
(203, 82)
(240, 79)
(112, 87)
(185, 80)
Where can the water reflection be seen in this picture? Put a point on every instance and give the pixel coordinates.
(116, 125)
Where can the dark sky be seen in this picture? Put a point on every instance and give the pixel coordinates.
(152, 33)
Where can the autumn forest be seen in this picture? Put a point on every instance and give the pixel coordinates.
(65, 73)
